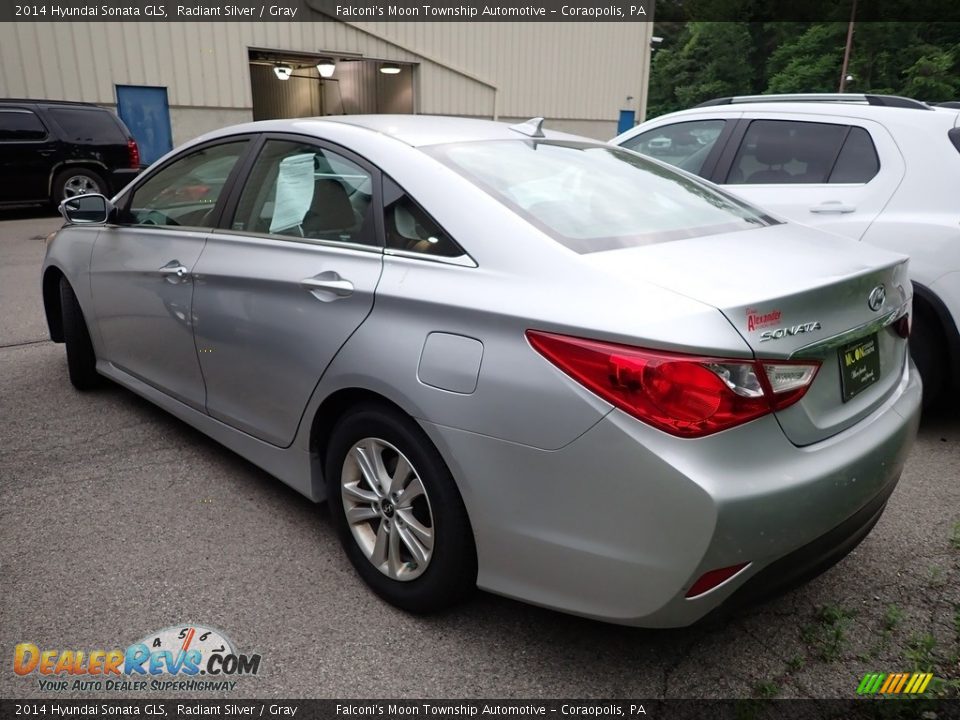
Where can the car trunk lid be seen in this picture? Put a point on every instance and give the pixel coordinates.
(795, 293)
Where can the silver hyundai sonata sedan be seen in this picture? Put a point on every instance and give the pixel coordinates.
(509, 358)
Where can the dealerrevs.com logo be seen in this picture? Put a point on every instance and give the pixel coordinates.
(180, 658)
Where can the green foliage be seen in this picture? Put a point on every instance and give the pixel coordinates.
(892, 617)
(766, 689)
(809, 63)
(703, 60)
(919, 653)
(712, 61)
(827, 636)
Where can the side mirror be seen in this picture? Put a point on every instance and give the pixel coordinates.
(86, 209)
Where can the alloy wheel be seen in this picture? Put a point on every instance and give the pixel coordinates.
(79, 185)
(387, 509)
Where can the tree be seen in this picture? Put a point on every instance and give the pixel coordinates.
(710, 59)
(809, 63)
(932, 76)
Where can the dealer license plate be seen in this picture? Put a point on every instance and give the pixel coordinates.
(859, 366)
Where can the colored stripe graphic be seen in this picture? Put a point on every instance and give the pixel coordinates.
(891, 679)
(899, 685)
(894, 683)
(870, 683)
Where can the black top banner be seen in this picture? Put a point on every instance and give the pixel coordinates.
(474, 11)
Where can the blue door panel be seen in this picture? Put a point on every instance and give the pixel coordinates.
(145, 111)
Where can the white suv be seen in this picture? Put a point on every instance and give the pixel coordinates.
(882, 169)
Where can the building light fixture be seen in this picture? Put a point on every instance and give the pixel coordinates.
(283, 72)
(325, 67)
(390, 69)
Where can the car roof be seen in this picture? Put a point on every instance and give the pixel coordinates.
(412, 130)
(812, 108)
(36, 101)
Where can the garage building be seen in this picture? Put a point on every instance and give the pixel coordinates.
(171, 81)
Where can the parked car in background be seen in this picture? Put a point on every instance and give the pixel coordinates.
(51, 150)
(497, 365)
(875, 168)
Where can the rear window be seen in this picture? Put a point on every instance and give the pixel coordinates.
(87, 125)
(776, 152)
(858, 162)
(20, 126)
(596, 197)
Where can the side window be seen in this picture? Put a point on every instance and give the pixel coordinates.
(20, 126)
(87, 125)
(783, 151)
(408, 227)
(684, 145)
(304, 191)
(858, 162)
(185, 192)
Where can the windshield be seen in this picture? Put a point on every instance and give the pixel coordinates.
(595, 197)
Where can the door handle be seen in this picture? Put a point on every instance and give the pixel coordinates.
(173, 271)
(832, 206)
(328, 286)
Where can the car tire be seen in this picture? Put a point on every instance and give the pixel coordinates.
(77, 181)
(383, 519)
(81, 360)
(928, 349)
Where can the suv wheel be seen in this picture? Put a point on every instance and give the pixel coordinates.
(79, 181)
(398, 512)
(928, 349)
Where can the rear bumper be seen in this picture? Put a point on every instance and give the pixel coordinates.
(812, 559)
(618, 524)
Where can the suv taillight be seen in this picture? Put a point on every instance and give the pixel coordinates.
(685, 395)
(133, 152)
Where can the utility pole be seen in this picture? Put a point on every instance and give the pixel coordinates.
(846, 52)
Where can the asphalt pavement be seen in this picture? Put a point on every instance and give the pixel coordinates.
(117, 520)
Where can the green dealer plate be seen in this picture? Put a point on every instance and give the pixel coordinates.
(859, 366)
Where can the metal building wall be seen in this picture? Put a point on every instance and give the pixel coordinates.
(296, 97)
(569, 72)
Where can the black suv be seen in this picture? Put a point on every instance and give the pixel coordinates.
(52, 150)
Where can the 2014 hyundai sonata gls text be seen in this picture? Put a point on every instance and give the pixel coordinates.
(508, 358)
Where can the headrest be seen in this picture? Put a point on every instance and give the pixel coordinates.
(770, 149)
(331, 208)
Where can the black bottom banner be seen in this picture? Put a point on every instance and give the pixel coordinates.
(922, 709)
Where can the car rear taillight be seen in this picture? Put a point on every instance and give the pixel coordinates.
(133, 152)
(902, 327)
(685, 395)
(709, 580)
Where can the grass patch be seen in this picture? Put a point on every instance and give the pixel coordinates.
(892, 617)
(955, 536)
(766, 689)
(937, 578)
(827, 635)
(942, 688)
(919, 652)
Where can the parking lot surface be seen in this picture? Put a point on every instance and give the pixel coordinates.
(116, 520)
